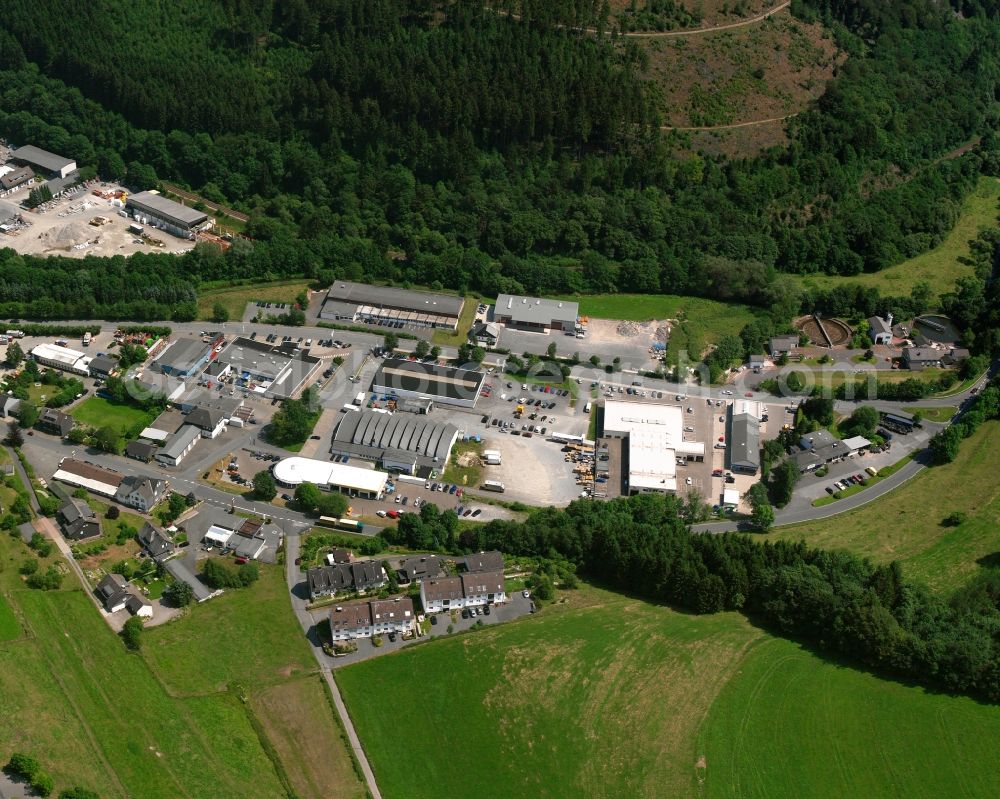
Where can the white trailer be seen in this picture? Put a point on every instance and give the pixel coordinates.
(491, 457)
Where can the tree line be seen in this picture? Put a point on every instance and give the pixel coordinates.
(444, 144)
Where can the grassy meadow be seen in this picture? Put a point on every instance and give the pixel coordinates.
(608, 696)
(905, 525)
(98, 412)
(235, 298)
(939, 267)
(162, 723)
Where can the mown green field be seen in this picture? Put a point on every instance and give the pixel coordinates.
(98, 716)
(98, 412)
(131, 737)
(789, 724)
(905, 524)
(241, 632)
(939, 267)
(235, 298)
(729, 317)
(612, 697)
(9, 628)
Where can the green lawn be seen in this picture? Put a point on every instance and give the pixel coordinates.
(936, 413)
(235, 298)
(132, 738)
(790, 724)
(98, 412)
(463, 475)
(243, 632)
(939, 267)
(461, 335)
(611, 697)
(905, 525)
(9, 627)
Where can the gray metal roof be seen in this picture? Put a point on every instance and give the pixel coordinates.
(535, 310)
(160, 206)
(439, 381)
(179, 441)
(379, 436)
(879, 325)
(391, 297)
(181, 355)
(8, 211)
(43, 158)
(744, 442)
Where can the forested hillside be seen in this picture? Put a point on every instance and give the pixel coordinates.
(504, 151)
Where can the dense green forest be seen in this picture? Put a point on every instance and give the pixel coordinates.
(501, 152)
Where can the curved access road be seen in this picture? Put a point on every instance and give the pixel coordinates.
(670, 34)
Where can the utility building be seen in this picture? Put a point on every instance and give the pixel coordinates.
(151, 208)
(391, 307)
(422, 381)
(534, 313)
(43, 161)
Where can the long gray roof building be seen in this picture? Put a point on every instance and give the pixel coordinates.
(44, 160)
(744, 443)
(402, 441)
(535, 313)
(419, 380)
(388, 304)
(158, 206)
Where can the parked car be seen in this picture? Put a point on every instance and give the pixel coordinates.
(486, 610)
(434, 620)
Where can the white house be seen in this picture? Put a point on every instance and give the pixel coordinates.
(179, 445)
(392, 615)
(365, 619)
(483, 588)
(438, 596)
(880, 330)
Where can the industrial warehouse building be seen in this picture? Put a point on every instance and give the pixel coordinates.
(43, 161)
(272, 370)
(16, 177)
(392, 307)
(150, 208)
(402, 442)
(425, 381)
(353, 480)
(533, 313)
(744, 443)
(62, 358)
(185, 357)
(654, 441)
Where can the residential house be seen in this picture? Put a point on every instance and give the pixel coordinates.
(368, 575)
(823, 446)
(102, 366)
(328, 581)
(392, 615)
(16, 178)
(55, 422)
(491, 561)
(140, 492)
(419, 567)
(140, 451)
(335, 556)
(111, 590)
(442, 594)
(138, 605)
(756, 361)
(483, 588)
(78, 520)
(210, 421)
(154, 542)
(9, 405)
(880, 330)
(783, 345)
(351, 620)
(919, 358)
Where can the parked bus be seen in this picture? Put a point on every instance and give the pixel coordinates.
(493, 485)
(342, 524)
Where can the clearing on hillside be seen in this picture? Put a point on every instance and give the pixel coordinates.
(611, 697)
(758, 72)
